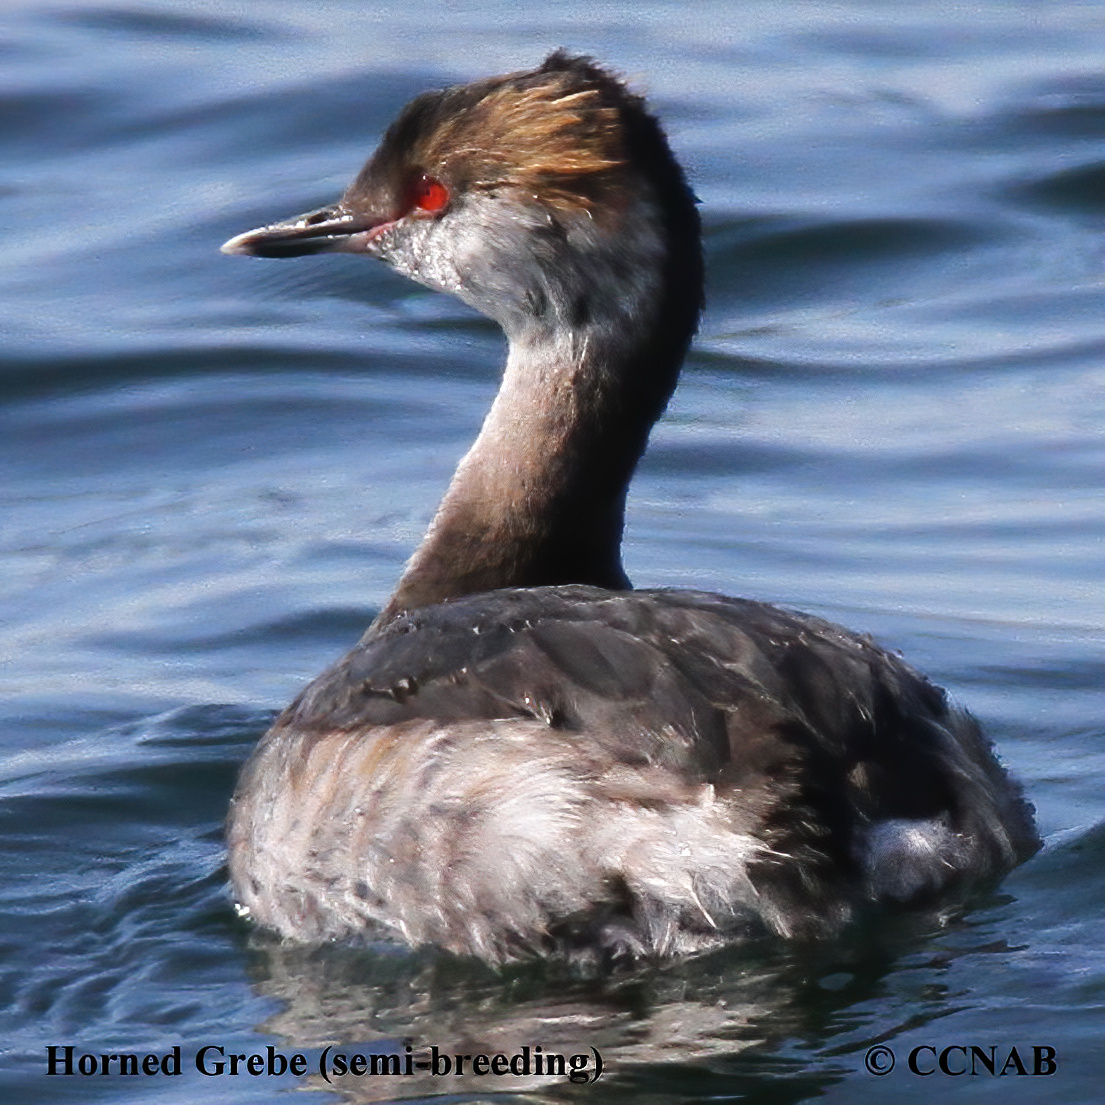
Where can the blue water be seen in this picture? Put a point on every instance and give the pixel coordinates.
(214, 468)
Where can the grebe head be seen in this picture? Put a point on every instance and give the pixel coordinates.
(550, 201)
(546, 199)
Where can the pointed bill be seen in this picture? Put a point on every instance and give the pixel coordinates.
(327, 230)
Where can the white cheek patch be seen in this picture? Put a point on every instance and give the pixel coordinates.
(514, 263)
(904, 858)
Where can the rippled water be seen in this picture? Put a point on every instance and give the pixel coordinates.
(214, 469)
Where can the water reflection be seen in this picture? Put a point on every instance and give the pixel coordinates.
(711, 1025)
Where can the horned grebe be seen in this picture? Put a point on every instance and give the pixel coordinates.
(523, 756)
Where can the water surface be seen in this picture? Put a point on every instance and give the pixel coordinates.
(215, 468)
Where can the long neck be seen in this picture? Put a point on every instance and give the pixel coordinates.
(597, 337)
(540, 496)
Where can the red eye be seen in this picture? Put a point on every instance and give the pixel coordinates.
(430, 194)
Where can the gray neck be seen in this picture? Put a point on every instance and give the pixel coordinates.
(540, 496)
(598, 324)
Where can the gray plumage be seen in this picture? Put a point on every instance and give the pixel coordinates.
(568, 770)
(522, 756)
